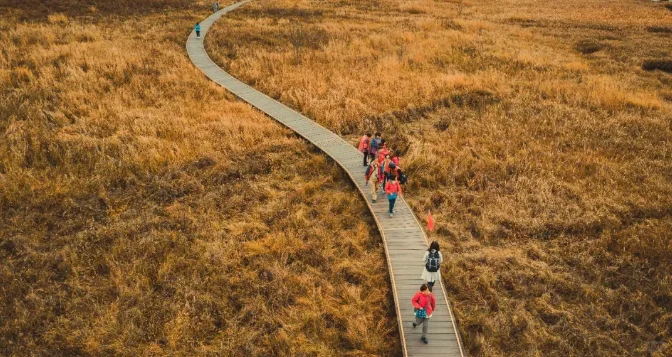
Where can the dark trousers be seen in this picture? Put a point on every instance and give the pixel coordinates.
(430, 284)
(392, 201)
(198, 33)
(366, 158)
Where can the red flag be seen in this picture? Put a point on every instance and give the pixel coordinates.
(430, 221)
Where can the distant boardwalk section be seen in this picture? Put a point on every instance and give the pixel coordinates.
(404, 239)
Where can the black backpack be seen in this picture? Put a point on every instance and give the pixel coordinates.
(432, 265)
(403, 178)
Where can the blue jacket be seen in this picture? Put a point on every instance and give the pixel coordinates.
(197, 28)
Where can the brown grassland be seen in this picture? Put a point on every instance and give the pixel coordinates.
(539, 133)
(146, 212)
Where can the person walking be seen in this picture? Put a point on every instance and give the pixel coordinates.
(395, 171)
(215, 6)
(372, 179)
(395, 159)
(424, 305)
(384, 168)
(373, 146)
(383, 151)
(393, 189)
(364, 142)
(197, 28)
(432, 259)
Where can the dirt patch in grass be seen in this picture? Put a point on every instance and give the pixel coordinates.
(662, 65)
(588, 46)
(659, 29)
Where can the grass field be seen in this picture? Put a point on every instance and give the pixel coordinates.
(146, 212)
(538, 133)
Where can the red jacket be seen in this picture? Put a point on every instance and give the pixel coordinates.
(382, 168)
(363, 143)
(382, 152)
(420, 300)
(395, 159)
(391, 187)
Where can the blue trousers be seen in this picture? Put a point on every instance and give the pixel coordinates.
(392, 201)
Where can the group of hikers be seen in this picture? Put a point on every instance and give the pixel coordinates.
(423, 301)
(383, 169)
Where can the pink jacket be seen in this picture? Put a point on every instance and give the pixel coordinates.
(363, 143)
(421, 300)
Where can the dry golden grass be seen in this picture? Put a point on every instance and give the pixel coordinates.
(530, 130)
(145, 211)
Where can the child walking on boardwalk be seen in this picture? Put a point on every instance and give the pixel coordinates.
(393, 189)
(424, 305)
(432, 259)
(197, 28)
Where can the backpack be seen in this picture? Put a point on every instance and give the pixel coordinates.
(369, 171)
(403, 178)
(374, 145)
(432, 265)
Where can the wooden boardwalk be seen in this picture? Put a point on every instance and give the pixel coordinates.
(404, 239)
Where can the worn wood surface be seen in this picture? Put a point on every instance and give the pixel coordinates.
(405, 241)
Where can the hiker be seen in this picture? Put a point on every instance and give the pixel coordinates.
(371, 178)
(382, 149)
(395, 171)
(373, 146)
(197, 28)
(215, 7)
(393, 189)
(432, 259)
(424, 305)
(364, 147)
(384, 169)
(395, 159)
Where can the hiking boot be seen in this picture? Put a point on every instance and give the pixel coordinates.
(414, 325)
(424, 339)
(374, 201)
(391, 215)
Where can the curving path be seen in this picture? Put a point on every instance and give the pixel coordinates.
(404, 239)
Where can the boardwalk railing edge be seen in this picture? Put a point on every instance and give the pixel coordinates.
(204, 29)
